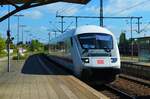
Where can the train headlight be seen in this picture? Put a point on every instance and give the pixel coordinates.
(113, 60)
(85, 60)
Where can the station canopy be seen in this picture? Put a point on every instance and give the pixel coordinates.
(25, 4)
(5, 2)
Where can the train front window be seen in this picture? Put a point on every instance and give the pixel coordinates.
(96, 41)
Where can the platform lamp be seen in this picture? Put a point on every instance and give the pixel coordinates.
(49, 38)
(22, 26)
(18, 25)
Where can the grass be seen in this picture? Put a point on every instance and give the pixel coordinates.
(21, 57)
(129, 58)
(3, 54)
(56, 53)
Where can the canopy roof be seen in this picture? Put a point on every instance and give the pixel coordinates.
(25, 4)
(5, 2)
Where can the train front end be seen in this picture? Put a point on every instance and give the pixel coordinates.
(99, 54)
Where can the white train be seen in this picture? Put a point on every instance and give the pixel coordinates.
(89, 50)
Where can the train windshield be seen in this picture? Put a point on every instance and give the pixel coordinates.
(96, 41)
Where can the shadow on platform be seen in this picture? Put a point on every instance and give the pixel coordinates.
(34, 66)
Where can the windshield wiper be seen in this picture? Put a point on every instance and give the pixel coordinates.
(85, 50)
(107, 49)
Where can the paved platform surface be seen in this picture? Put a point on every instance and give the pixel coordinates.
(5, 58)
(29, 81)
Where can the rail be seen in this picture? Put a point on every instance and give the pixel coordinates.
(120, 92)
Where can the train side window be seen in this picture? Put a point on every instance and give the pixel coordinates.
(71, 41)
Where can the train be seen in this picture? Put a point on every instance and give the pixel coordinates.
(91, 50)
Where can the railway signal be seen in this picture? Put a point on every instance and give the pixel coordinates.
(8, 41)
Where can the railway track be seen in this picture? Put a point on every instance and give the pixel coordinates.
(125, 88)
(109, 89)
(134, 87)
(135, 79)
(113, 90)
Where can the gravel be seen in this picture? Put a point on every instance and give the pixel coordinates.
(131, 87)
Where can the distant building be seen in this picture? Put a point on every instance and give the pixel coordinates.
(144, 49)
(22, 50)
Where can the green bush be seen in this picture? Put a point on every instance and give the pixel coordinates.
(2, 54)
(21, 57)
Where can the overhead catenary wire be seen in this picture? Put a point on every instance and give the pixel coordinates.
(60, 11)
(67, 28)
(131, 7)
(66, 9)
(145, 27)
(71, 8)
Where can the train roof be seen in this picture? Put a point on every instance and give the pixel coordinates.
(91, 29)
(81, 30)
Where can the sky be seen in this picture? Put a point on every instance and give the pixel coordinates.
(40, 21)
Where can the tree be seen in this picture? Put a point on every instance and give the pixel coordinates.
(2, 44)
(122, 39)
(36, 46)
(123, 44)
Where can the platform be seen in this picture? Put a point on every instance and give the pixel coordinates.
(18, 85)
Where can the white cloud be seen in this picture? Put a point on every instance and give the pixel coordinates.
(3, 12)
(34, 14)
(60, 7)
(70, 11)
(122, 6)
(43, 28)
(93, 9)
